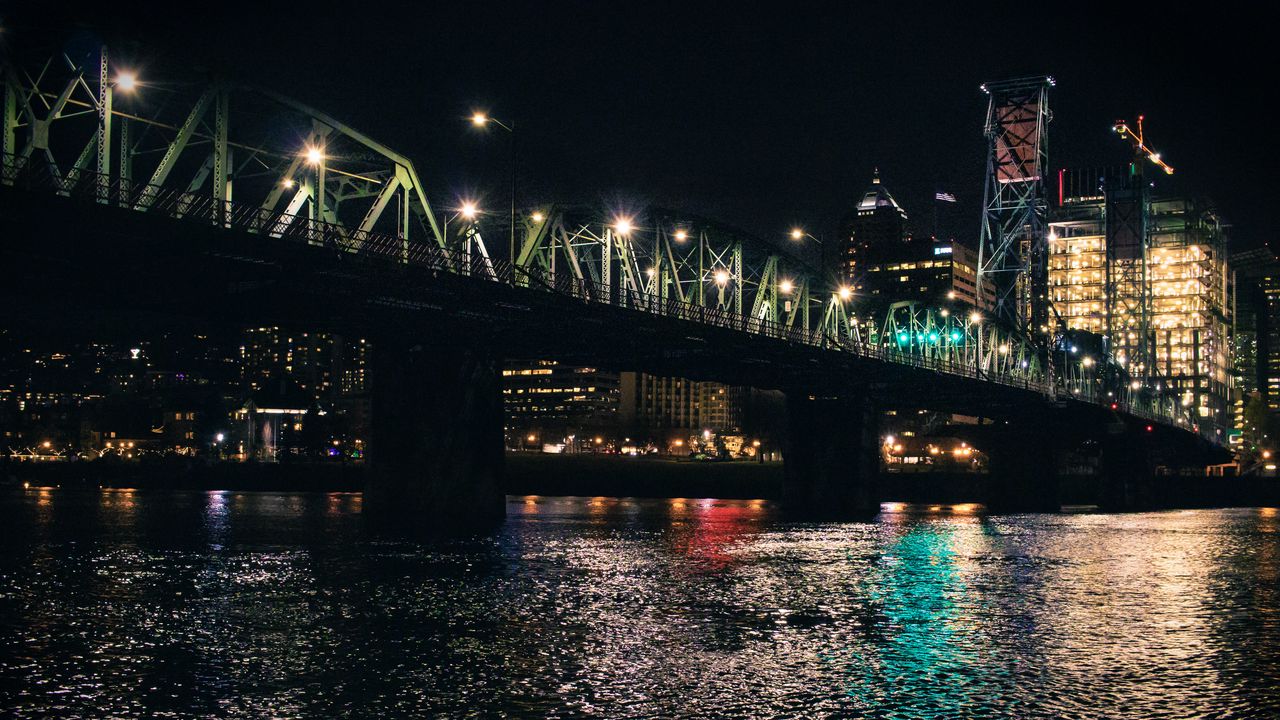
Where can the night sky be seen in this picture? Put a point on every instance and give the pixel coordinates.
(761, 116)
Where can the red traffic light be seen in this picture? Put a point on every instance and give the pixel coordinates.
(1150, 428)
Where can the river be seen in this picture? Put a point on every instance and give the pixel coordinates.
(150, 603)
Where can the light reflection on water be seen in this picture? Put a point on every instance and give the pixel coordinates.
(137, 603)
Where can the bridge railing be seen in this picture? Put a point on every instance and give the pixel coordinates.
(194, 207)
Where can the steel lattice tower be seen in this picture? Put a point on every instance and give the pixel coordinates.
(1013, 251)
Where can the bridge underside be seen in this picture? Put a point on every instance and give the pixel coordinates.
(72, 262)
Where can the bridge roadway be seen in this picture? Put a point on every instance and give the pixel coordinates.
(440, 337)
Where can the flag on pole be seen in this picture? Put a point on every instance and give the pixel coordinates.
(944, 197)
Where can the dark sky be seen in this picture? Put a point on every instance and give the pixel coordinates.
(760, 115)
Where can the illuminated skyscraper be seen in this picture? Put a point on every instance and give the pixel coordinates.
(1177, 287)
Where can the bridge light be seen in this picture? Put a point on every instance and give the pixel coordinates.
(1135, 385)
(933, 338)
(903, 337)
(785, 287)
(126, 81)
(681, 236)
(314, 156)
(956, 336)
(844, 292)
(944, 312)
(287, 183)
(479, 119)
(650, 272)
(1087, 361)
(951, 295)
(468, 211)
(622, 226)
(975, 317)
(1004, 349)
(722, 277)
(537, 217)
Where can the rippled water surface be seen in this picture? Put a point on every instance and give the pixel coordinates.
(145, 604)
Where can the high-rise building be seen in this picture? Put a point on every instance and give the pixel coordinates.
(322, 364)
(1177, 288)
(1257, 342)
(654, 406)
(549, 402)
(877, 228)
(934, 273)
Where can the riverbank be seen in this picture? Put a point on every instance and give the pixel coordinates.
(541, 474)
(621, 476)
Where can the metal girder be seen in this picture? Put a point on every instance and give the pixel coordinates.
(8, 127)
(104, 127)
(221, 156)
(175, 148)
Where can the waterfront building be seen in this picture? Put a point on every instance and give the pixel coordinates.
(1169, 315)
(547, 402)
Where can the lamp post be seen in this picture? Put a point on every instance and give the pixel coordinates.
(480, 120)
(799, 234)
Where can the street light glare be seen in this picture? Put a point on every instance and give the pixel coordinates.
(469, 210)
(845, 293)
(479, 119)
(786, 287)
(538, 217)
(681, 236)
(975, 317)
(797, 234)
(622, 226)
(126, 81)
(314, 156)
(722, 277)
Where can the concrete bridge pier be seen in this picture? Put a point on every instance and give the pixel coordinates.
(436, 451)
(832, 458)
(1022, 465)
(1125, 470)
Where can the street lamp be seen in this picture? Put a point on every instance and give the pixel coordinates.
(799, 234)
(623, 226)
(467, 211)
(126, 81)
(482, 119)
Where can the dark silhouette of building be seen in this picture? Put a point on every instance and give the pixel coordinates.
(878, 227)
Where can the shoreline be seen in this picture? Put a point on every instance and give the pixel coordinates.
(613, 476)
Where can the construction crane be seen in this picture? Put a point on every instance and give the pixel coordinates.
(1139, 144)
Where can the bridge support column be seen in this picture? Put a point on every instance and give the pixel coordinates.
(832, 458)
(1126, 472)
(1022, 471)
(436, 452)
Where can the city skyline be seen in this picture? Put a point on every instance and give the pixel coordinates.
(906, 101)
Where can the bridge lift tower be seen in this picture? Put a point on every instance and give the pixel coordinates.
(1013, 249)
